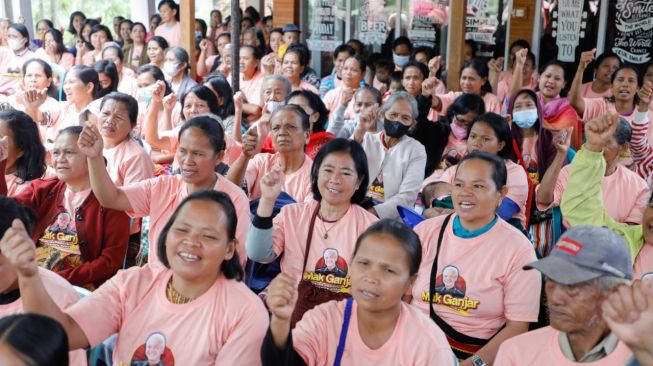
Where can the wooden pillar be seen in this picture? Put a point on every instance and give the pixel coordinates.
(285, 12)
(522, 20)
(456, 40)
(187, 9)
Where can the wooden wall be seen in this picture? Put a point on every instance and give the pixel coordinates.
(521, 24)
(285, 12)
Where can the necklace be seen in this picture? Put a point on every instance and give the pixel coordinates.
(174, 296)
(325, 221)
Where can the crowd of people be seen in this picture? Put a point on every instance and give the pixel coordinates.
(369, 216)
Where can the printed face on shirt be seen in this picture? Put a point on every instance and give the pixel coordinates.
(574, 308)
(352, 73)
(197, 242)
(625, 85)
(471, 81)
(380, 273)
(194, 106)
(68, 162)
(153, 352)
(474, 194)
(552, 81)
(114, 122)
(483, 138)
(330, 272)
(412, 80)
(274, 91)
(197, 157)
(337, 179)
(287, 132)
(35, 76)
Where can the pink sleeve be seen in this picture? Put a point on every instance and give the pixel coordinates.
(518, 188)
(329, 100)
(448, 175)
(446, 100)
(246, 338)
(67, 61)
(440, 88)
(504, 356)
(139, 196)
(502, 90)
(137, 169)
(558, 190)
(100, 314)
(594, 107)
(252, 175)
(232, 151)
(522, 288)
(310, 336)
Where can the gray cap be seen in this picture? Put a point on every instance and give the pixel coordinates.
(585, 253)
(290, 28)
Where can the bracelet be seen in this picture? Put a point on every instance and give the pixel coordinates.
(477, 360)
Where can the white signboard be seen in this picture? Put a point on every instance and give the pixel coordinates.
(569, 27)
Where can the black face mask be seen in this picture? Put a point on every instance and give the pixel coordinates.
(394, 129)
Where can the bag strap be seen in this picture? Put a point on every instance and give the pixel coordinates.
(434, 267)
(343, 332)
(309, 239)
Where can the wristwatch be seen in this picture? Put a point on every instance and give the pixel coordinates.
(477, 361)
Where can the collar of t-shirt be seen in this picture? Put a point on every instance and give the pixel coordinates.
(601, 350)
(461, 232)
(9, 297)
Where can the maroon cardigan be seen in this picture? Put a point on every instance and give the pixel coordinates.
(103, 233)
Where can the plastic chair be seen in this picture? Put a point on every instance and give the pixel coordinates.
(409, 216)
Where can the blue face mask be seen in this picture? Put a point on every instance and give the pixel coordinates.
(145, 95)
(400, 60)
(525, 118)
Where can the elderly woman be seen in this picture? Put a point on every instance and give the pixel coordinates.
(194, 297)
(85, 251)
(586, 265)
(395, 161)
(339, 179)
(176, 67)
(289, 127)
(471, 280)
(583, 200)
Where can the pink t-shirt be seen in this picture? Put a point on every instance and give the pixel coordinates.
(11, 69)
(128, 163)
(297, 184)
(128, 84)
(208, 64)
(416, 340)
(306, 86)
(62, 115)
(517, 186)
(159, 197)
(67, 60)
(333, 99)
(587, 92)
(252, 88)
(644, 263)
(488, 284)
(504, 86)
(455, 148)
(172, 33)
(541, 347)
(625, 194)
(63, 294)
(14, 185)
(289, 237)
(224, 326)
(492, 104)
(90, 58)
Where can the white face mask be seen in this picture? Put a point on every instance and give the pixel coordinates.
(170, 69)
(16, 44)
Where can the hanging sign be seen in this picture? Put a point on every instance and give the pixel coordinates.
(373, 24)
(323, 32)
(569, 28)
(634, 30)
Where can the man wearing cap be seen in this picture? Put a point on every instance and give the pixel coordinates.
(290, 34)
(585, 266)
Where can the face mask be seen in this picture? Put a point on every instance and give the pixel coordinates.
(394, 129)
(526, 118)
(460, 133)
(145, 95)
(170, 69)
(198, 36)
(16, 44)
(400, 60)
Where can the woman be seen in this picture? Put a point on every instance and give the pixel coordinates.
(317, 116)
(384, 265)
(156, 48)
(176, 68)
(37, 75)
(85, 251)
(24, 157)
(473, 79)
(293, 64)
(626, 193)
(583, 203)
(476, 302)
(490, 133)
(353, 72)
(225, 95)
(529, 76)
(75, 23)
(366, 98)
(136, 52)
(339, 179)
(13, 57)
(54, 51)
(194, 297)
(21, 334)
(99, 35)
(396, 162)
(502, 79)
(276, 40)
(155, 20)
(80, 86)
(108, 76)
(289, 128)
(201, 145)
(170, 27)
(254, 37)
(148, 75)
(604, 66)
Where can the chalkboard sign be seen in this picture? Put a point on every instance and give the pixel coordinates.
(633, 30)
